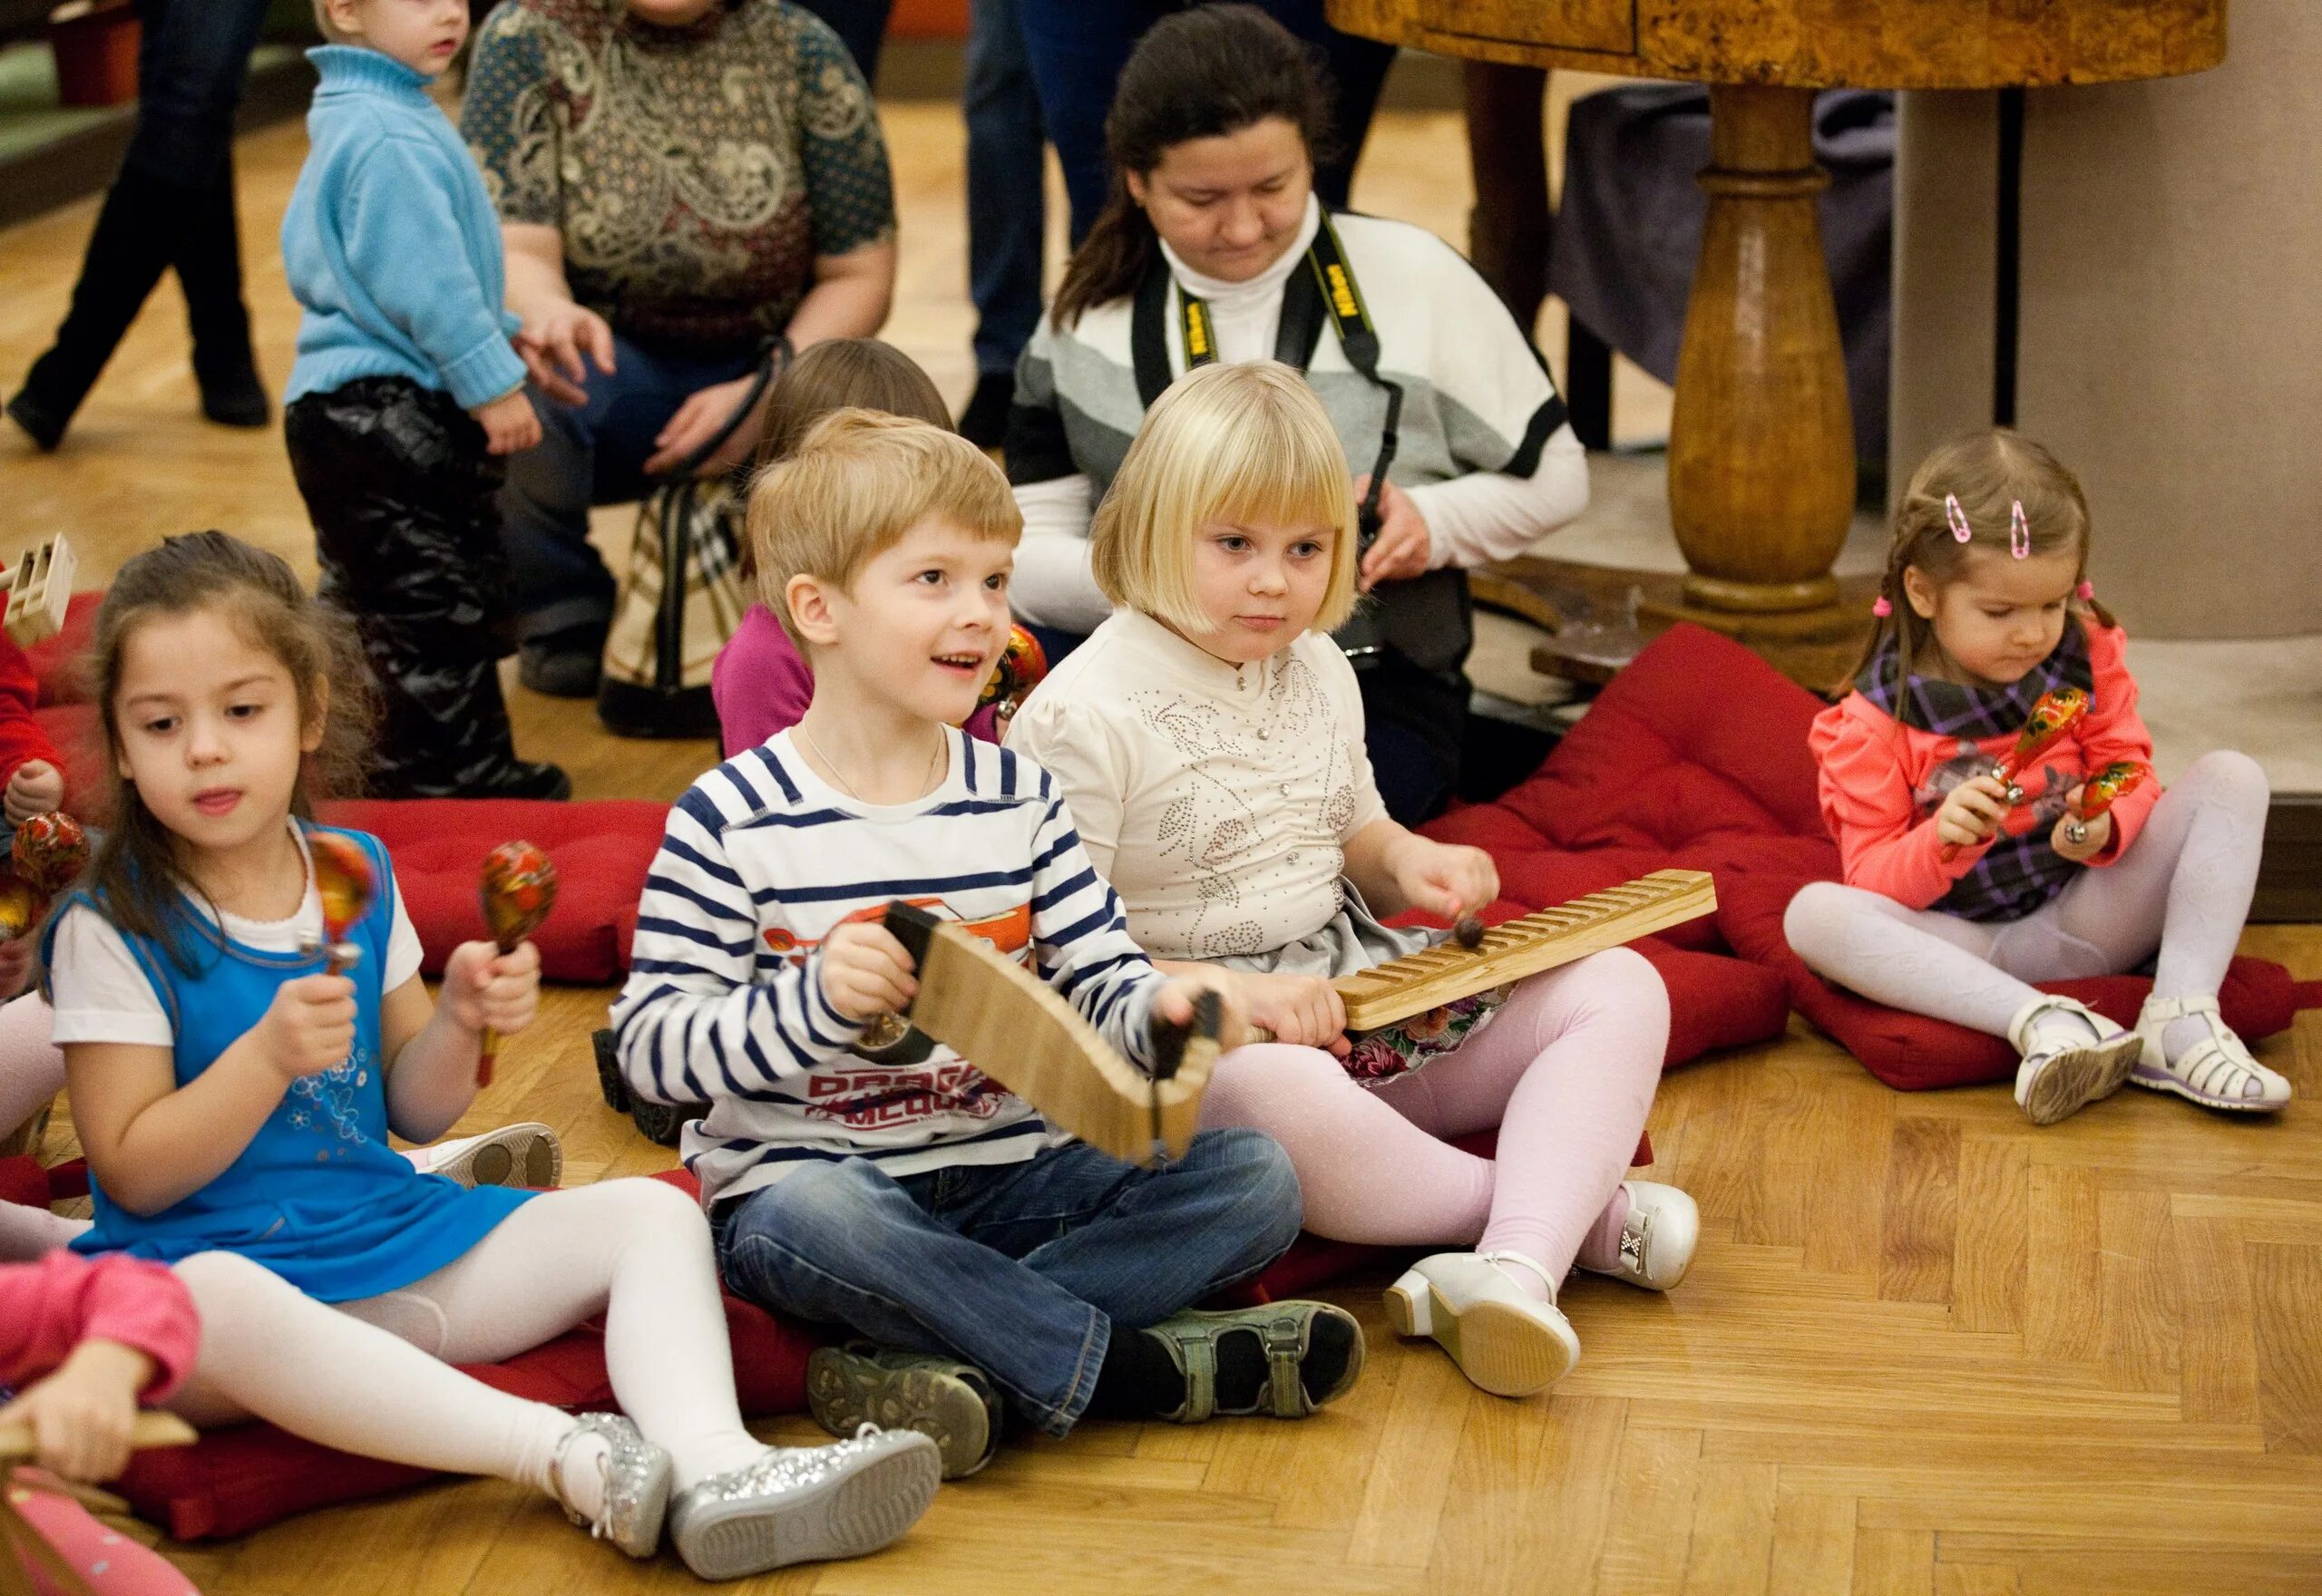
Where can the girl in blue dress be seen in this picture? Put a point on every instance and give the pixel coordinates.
(235, 1098)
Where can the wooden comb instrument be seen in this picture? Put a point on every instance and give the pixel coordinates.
(1515, 948)
(1014, 1027)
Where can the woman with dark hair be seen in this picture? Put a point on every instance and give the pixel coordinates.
(1213, 247)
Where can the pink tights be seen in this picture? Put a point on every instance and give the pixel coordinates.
(1566, 1070)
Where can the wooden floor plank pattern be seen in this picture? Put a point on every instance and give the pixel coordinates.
(1927, 1350)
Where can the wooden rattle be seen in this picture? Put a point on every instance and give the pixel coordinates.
(19, 908)
(2100, 791)
(51, 850)
(38, 588)
(343, 881)
(1023, 664)
(2051, 718)
(518, 891)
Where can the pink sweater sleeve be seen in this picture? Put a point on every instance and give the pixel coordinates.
(2114, 732)
(1866, 793)
(47, 1309)
(760, 683)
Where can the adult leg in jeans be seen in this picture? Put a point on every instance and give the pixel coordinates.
(175, 180)
(924, 1262)
(1358, 68)
(592, 453)
(1076, 51)
(1007, 213)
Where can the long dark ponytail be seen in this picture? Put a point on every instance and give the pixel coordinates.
(1204, 73)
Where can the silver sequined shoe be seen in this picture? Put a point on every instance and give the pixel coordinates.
(806, 1504)
(636, 1483)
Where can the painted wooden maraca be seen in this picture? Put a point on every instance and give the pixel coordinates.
(2055, 715)
(345, 884)
(519, 889)
(1023, 665)
(20, 909)
(2107, 787)
(51, 851)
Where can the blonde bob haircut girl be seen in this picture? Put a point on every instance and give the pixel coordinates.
(1244, 445)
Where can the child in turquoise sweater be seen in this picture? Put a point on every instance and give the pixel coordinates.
(406, 392)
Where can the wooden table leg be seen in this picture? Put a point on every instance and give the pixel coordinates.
(1761, 474)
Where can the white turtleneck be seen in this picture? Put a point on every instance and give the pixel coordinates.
(1471, 520)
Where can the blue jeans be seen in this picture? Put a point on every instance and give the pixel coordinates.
(587, 456)
(1077, 48)
(193, 57)
(1021, 1269)
(1007, 194)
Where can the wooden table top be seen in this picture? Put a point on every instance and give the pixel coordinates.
(1817, 44)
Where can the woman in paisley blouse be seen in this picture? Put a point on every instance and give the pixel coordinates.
(681, 182)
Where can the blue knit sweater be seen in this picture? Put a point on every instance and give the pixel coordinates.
(391, 242)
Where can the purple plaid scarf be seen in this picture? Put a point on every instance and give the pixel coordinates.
(2016, 874)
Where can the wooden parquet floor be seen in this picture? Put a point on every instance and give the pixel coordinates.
(1927, 1350)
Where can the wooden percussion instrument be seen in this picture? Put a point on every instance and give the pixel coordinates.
(1449, 971)
(38, 588)
(1015, 1027)
(23, 1552)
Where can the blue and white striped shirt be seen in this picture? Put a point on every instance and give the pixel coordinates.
(725, 1005)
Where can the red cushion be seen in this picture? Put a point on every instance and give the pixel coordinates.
(24, 1183)
(1912, 1052)
(601, 850)
(234, 1481)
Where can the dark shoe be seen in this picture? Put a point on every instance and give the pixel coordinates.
(951, 1404)
(984, 423)
(563, 665)
(43, 426)
(235, 398)
(524, 778)
(1302, 1356)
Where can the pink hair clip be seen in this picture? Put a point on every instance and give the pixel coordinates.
(1958, 516)
(2019, 531)
(1880, 607)
(2086, 591)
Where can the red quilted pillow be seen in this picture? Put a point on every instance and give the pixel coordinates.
(1912, 1052)
(24, 1183)
(234, 1481)
(601, 850)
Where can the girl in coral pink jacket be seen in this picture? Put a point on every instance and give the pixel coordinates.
(1966, 882)
(88, 1341)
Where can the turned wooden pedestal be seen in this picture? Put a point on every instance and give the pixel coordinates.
(1761, 476)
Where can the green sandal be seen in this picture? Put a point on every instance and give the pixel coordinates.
(1286, 1329)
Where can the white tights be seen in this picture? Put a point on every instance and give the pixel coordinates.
(374, 1376)
(2182, 887)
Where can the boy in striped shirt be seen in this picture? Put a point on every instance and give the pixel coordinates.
(856, 1172)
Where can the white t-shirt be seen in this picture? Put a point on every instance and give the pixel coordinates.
(101, 994)
(1217, 800)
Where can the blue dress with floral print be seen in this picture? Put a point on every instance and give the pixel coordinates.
(318, 1196)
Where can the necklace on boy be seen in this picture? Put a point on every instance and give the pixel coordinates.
(926, 780)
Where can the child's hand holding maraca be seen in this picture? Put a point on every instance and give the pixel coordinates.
(36, 788)
(310, 1027)
(488, 990)
(1972, 811)
(2079, 839)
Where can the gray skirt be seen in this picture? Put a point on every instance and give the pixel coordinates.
(1353, 940)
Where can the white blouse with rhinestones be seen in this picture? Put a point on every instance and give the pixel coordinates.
(1216, 801)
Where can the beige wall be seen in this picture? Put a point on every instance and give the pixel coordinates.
(2171, 330)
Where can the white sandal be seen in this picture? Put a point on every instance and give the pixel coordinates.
(2216, 1072)
(1506, 1340)
(2058, 1080)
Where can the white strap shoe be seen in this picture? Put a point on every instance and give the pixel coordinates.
(1506, 1340)
(2058, 1079)
(2216, 1072)
(1657, 1237)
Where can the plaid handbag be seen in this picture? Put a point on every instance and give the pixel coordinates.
(683, 595)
